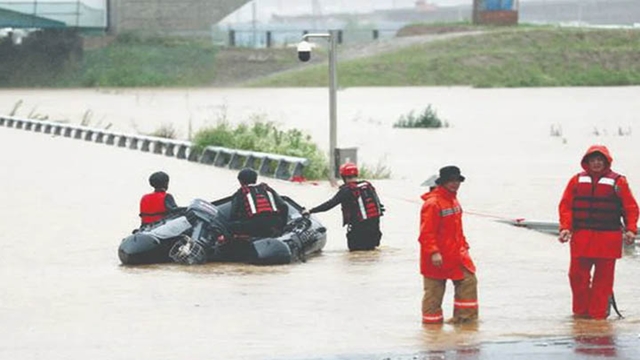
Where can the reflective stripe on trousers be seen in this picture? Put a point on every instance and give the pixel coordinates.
(435, 318)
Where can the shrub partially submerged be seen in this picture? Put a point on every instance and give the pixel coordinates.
(264, 136)
(167, 131)
(427, 119)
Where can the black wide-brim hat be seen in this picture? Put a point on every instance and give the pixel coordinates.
(448, 173)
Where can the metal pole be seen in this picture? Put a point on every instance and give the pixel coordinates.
(77, 13)
(332, 37)
(333, 110)
(35, 12)
(254, 14)
(108, 17)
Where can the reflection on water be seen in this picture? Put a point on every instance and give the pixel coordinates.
(596, 338)
(446, 336)
(68, 203)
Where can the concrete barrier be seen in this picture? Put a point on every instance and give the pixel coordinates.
(273, 165)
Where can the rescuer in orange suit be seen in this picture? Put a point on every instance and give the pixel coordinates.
(156, 205)
(444, 252)
(597, 212)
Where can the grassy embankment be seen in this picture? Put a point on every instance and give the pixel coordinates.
(505, 57)
(128, 61)
(131, 61)
(518, 57)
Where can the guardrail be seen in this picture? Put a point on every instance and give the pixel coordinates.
(266, 164)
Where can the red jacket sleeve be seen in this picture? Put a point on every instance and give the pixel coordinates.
(566, 203)
(429, 224)
(629, 205)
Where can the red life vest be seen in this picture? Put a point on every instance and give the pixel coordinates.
(363, 204)
(152, 207)
(597, 206)
(258, 199)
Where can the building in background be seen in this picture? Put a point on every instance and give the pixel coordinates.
(495, 12)
(157, 17)
(169, 17)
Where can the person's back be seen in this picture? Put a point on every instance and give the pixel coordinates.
(361, 209)
(256, 209)
(156, 205)
(363, 203)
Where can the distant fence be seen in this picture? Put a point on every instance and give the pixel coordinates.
(262, 38)
(274, 165)
(47, 14)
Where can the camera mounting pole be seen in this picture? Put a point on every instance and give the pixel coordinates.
(332, 37)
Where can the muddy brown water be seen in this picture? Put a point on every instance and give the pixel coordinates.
(68, 203)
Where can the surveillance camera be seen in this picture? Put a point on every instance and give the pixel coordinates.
(304, 51)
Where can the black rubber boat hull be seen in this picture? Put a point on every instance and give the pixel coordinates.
(153, 244)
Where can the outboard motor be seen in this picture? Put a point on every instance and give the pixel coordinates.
(206, 230)
(303, 237)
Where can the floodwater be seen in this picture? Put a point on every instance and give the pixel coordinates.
(68, 203)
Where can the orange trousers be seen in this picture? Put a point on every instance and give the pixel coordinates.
(465, 305)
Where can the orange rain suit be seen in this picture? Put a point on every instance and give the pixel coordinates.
(441, 232)
(595, 247)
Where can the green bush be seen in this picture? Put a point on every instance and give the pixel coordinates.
(427, 119)
(264, 136)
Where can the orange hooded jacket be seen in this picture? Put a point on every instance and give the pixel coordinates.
(441, 232)
(598, 243)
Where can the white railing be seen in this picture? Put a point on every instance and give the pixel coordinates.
(274, 165)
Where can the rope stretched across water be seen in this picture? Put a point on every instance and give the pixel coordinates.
(470, 212)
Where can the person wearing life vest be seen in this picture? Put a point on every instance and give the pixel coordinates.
(444, 252)
(597, 212)
(256, 209)
(156, 205)
(361, 209)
